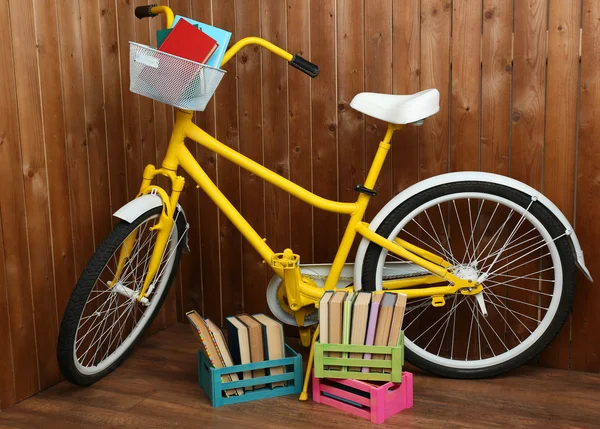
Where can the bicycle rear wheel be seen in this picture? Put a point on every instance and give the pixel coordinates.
(487, 229)
(103, 324)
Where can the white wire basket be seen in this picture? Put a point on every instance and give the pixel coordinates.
(171, 79)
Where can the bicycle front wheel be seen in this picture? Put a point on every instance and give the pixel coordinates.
(103, 324)
(487, 229)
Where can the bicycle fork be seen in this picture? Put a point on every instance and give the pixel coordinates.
(164, 227)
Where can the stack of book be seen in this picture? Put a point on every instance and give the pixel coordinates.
(251, 339)
(361, 319)
(194, 41)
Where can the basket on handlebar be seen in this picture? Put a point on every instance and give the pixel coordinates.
(170, 79)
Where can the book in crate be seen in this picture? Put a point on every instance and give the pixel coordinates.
(255, 364)
(387, 367)
(213, 380)
(360, 335)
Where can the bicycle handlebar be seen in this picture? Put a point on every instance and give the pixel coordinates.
(296, 61)
(153, 10)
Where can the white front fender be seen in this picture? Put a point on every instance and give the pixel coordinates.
(473, 176)
(134, 208)
(137, 207)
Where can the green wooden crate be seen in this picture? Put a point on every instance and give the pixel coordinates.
(395, 363)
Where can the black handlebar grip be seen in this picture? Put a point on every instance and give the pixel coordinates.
(144, 11)
(304, 65)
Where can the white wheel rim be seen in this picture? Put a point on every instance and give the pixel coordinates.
(550, 310)
(116, 311)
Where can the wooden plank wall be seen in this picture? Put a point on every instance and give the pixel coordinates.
(520, 96)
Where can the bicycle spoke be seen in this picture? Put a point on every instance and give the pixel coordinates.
(516, 287)
(513, 312)
(475, 308)
(495, 306)
(514, 231)
(451, 253)
(472, 238)
(483, 233)
(432, 325)
(461, 233)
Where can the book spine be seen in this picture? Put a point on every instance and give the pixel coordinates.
(226, 377)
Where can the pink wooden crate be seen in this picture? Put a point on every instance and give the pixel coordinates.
(363, 399)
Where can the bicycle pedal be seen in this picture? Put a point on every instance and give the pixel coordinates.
(438, 301)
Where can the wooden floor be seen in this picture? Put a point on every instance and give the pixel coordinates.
(156, 388)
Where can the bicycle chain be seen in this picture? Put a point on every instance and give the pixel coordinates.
(394, 277)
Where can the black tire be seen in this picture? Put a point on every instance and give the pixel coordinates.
(86, 283)
(550, 223)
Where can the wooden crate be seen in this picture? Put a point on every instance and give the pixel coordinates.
(210, 379)
(323, 363)
(364, 399)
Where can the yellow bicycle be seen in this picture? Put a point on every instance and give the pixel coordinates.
(488, 263)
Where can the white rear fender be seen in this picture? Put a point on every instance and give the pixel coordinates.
(474, 176)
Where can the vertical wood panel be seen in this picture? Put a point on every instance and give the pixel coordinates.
(529, 91)
(251, 144)
(324, 125)
(228, 173)
(435, 73)
(378, 78)
(406, 71)
(75, 129)
(7, 371)
(95, 121)
(56, 155)
(113, 109)
(131, 123)
(351, 81)
(496, 86)
(14, 227)
(299, 126)
(466, 84)
(36, 191)
(75, 132)
(561, 133)
(585, 342)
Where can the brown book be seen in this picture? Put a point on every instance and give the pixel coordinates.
(324, 317)
(384, 325)
(274, 344)
(208, 346)
(222, 349)
(396, 328)
(336, 323)
(358, 330)
(255, 334)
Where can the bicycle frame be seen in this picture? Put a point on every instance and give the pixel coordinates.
(178, 155)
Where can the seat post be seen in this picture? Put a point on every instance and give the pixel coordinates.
(382, 151)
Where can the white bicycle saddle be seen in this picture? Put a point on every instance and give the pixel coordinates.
(398, 109)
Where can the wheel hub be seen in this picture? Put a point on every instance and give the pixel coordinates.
(467, 272)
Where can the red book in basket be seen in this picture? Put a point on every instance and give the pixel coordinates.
(187, 41)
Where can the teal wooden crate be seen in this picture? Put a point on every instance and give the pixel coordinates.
(209, 379)
(395, 363)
